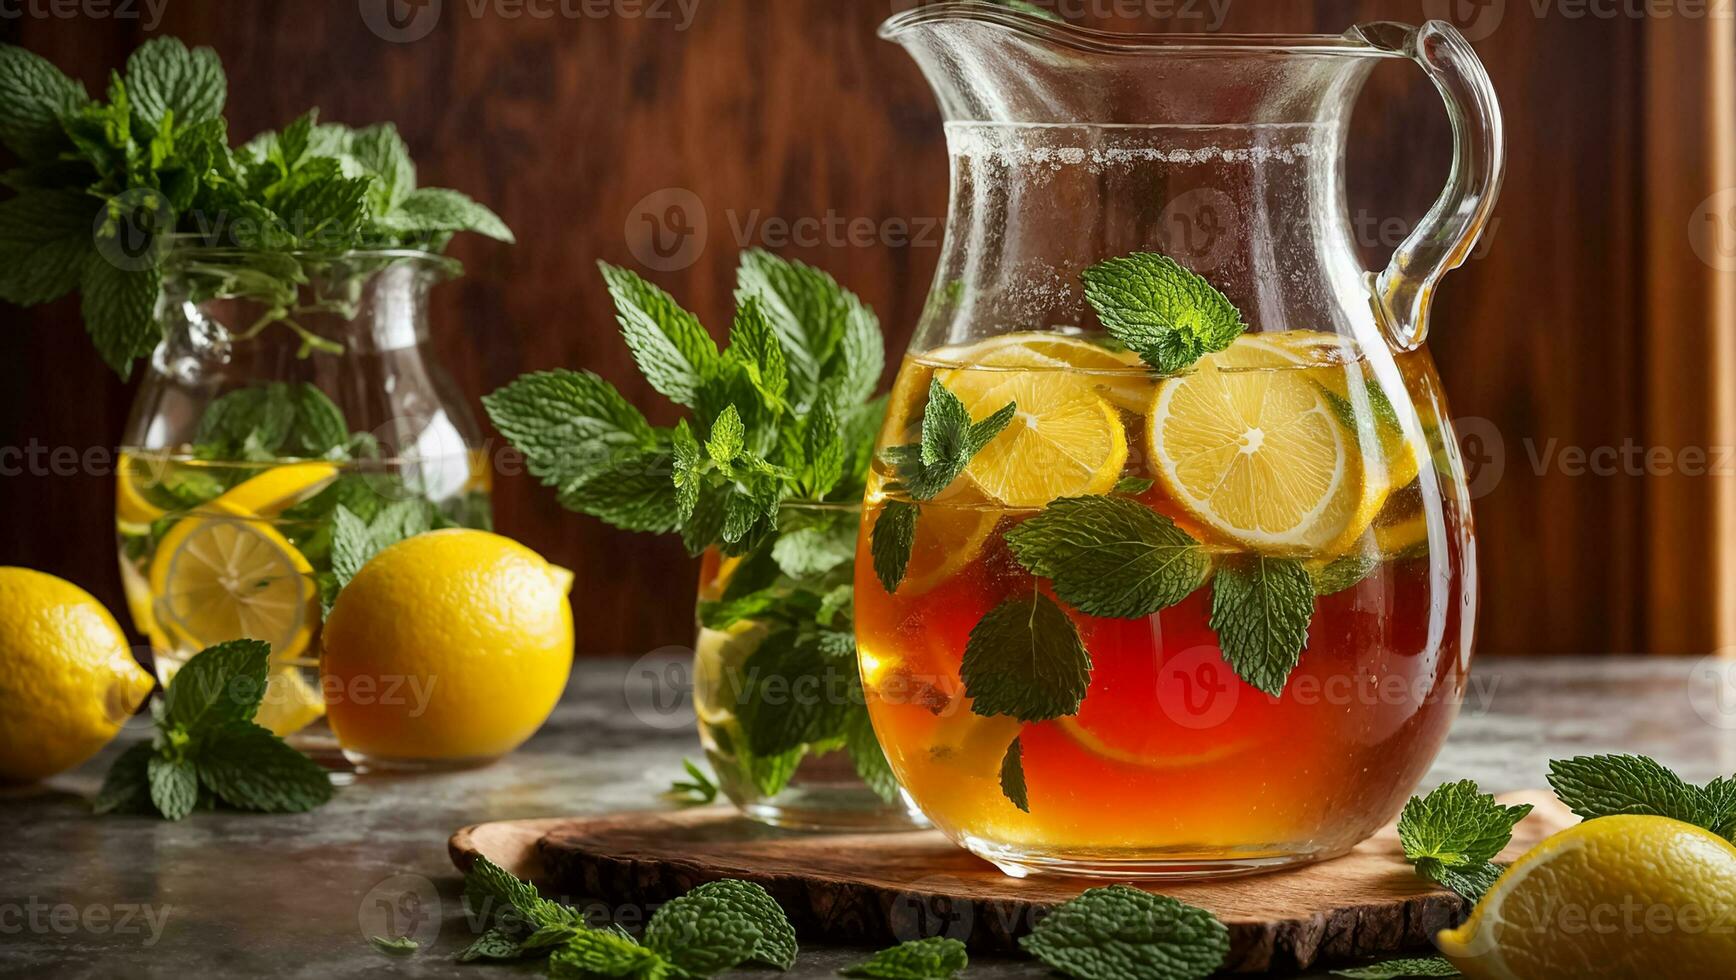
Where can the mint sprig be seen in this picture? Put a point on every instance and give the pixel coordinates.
(1611, 785)
(208, 750)
(950, 440)
(1122, 933)
(1453, 834)
(697, 789)
(1165, 313)
(99, 182)
(935, 958)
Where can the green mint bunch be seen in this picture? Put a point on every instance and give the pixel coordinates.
(207, 750)
(98, 184)
(767, 462)
(713, 928)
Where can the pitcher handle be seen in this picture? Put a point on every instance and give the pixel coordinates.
(1443, 240)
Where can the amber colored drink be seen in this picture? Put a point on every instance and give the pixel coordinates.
(1173, 763)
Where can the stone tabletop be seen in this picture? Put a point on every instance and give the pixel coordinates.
(229, 894)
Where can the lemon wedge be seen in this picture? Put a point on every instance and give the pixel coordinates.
(278, 488)
(290, 703)
(1586, 903)
(222, 574)
(1260, 456)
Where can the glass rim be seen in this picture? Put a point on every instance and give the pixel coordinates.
(1111, 42)
(189, 243)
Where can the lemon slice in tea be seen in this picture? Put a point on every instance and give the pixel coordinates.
(1260, 457)
(222, 574)
(1066, 439)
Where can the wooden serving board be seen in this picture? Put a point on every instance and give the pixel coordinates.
(876, 889)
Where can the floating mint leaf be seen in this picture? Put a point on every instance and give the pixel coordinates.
(1025, 659)
(1013, 776)
(950, 440)
(1110, 556)
(1344, 573)
(891, 541)
(1169, 316)
(1261, 608)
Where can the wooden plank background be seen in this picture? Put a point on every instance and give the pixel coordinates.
(580, 129)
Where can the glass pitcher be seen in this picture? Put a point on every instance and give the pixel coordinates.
(275, 403)
(1205, 604)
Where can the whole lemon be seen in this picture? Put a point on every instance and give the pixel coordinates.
(449, 648)
(1628, 897)
(67, 678)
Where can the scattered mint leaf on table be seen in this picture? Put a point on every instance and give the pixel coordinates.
(1024, 659)
(1013, 777)
(936, 958)
(720, 925)
(597, 953)
(399, 946)
(1110, 556)
(1122, 933)
(1609, 785)
(1168, 315)
(207, 748)
(1261, 608)
(698, 788)
(1453, 834)
(1433, 966)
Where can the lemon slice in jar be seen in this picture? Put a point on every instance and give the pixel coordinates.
(1253, 449)
(1066, 440)
(223, 574)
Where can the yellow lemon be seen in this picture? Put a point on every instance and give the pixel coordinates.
(223, 574)
(1618, 898)
(452, 646)
(67, 679)
(1260, 456)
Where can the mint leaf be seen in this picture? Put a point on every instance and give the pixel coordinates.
(950, 440)
(398, 946)
(728, 438)
(1132, 486)
(672, 350)
(33, 96)
(1024, 659)
(568, 424)
(596, 953)
(824, 452)
(826, 331)
(1110, 556)
(174, 786)
(1122, 933)
(1013, 777)
(866, 755)
(634, 491)
(1720, 803)
(165, 80)
(45, 243)
(355, 542)
(220, 684)
(794, 693)
(119, 307)
(381, 152)
(438, 209)
(698, 788)
(1344, 573)
(1608, 785)
(815, 545)
(754, 345)
(1452, 835)
(1261, 608)
(1433, 966)
(494, 893)
(720, 925)
(251, 769)
(126, 788)
(1166, 314)
(495, 944)
(936, 958)
(891, 541)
